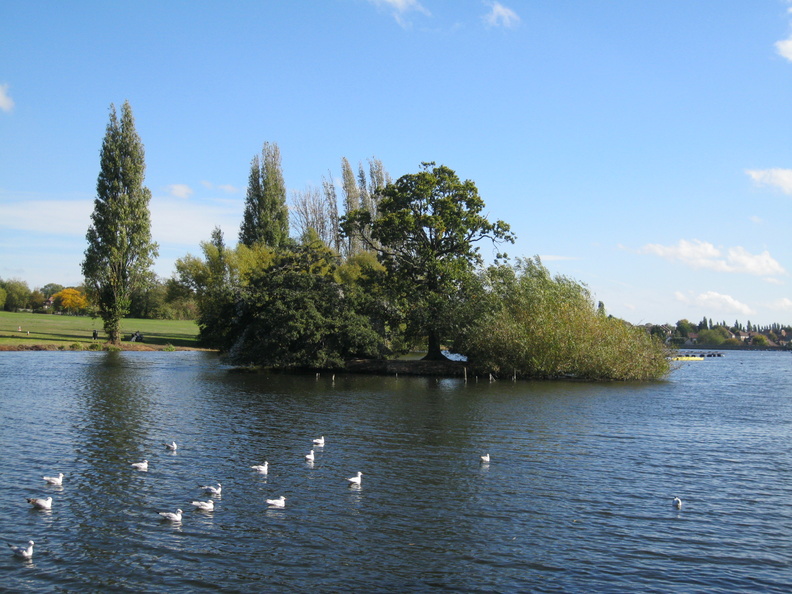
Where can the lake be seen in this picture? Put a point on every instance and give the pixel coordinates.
(577, 496)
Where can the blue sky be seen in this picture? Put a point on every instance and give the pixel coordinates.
(642, 148)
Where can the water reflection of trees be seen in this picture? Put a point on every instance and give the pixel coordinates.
(111, 425)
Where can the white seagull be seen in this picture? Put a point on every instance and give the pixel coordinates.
(55, 480)
(23, 552)
(310, 456)
(279, 502)
(355, 480)
(171, 446)
(204, 505)
(677, 503)
(172, 517)
(485, 458)
(319, 442)
(40, 503)
(213, 490)
(140, 465)
(262, 468)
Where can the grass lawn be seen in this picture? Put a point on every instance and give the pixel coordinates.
(63, 331)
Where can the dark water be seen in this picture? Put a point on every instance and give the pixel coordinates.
(577, 497)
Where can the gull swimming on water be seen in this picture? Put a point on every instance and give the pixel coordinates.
(262, 468)
(204, 505)
(310, 456)
(172, 517)
(23, 552)
(279, 502)
(140, 465)
(55, 480)
(319, 442)
(485, 458)
(213, 490)
(40, 503)
(677, 503)
(171, 446)
(355, 480)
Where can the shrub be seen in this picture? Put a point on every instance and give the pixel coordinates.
(534, 325)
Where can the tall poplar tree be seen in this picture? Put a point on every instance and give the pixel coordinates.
(266, 216)
(120, 252)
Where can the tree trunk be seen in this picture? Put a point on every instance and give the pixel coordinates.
(434, 353)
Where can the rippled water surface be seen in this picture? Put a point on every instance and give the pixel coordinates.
(577, 497)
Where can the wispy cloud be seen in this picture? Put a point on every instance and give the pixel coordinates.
(552, 258)
(784, 47)
(6, 103)
(171, 222)
(180, 190)
(55, 217)
(701, 254)
(400, 8)
(777, 178)
(227, 188)
(500, 16)
(714, 301)
(783, 304)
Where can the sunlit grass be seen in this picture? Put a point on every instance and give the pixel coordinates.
(65, 331)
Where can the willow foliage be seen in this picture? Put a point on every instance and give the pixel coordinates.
(532, 324)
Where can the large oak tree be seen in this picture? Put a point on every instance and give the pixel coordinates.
(425, 233)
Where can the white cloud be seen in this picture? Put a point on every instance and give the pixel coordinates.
(712, 300)
(401, 8)
(701, 254)
(6, 103)
(783, 304)
(778, 178)
(227, 188)
(552, 258)
(171, 221)
(174, 223)
(784, 48)
(180, 190)
(500, 16)
(56, 217)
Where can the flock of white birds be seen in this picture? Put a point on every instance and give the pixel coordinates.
(26, 551)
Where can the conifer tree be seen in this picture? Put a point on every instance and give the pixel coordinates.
(120, 252)
(266, 216)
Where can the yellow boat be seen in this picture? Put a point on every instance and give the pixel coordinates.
(687, 358)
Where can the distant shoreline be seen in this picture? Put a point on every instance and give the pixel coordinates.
(141, 347)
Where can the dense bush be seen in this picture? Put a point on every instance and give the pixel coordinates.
(533, 325)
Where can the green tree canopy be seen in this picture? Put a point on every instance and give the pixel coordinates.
(17, 294)
(295, 313)
(266, 216)
(120, 250)
(425, 232)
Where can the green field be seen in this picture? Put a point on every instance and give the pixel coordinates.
(64, 331)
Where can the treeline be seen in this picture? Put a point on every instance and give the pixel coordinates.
(397, 269)
(722, 334)
(159, 299)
